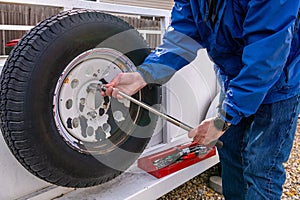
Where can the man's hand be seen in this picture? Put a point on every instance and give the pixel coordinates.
(206, 132)
(128, 83)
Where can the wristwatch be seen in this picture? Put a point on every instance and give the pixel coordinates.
(220, 124)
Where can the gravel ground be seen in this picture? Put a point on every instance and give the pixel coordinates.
(198, 187)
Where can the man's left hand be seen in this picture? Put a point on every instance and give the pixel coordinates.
(206, 132)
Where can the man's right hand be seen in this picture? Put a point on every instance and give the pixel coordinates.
(129, 83)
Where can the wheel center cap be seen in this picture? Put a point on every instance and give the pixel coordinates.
(94, 105)
(94, 98)
(83, 116)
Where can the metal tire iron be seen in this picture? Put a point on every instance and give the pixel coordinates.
(182, 154)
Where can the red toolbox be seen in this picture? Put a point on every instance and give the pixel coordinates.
(146, 163)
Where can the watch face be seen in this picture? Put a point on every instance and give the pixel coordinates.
(220, 124)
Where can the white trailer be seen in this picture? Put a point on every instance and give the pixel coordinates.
(189, 96)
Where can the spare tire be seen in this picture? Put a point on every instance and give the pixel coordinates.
(53, 117)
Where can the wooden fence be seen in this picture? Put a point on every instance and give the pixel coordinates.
(14, 14)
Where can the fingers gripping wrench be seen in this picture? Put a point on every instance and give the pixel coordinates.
(169, 118)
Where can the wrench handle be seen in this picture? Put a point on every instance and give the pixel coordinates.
(169, 118)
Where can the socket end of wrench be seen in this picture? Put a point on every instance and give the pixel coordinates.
(103, 89)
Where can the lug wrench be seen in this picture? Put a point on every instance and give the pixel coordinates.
(169, 118)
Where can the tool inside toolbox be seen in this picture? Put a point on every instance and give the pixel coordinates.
(158, 166)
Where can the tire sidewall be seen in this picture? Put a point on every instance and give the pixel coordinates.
(55, 48)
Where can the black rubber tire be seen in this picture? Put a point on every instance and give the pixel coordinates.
(28, 82)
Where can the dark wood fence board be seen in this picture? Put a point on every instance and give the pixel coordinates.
(16, 14)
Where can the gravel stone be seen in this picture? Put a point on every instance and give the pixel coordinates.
(198, 187)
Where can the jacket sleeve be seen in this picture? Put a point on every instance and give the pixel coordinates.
(179, 46)
(268, 32)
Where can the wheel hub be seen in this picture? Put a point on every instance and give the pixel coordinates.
(83, 116)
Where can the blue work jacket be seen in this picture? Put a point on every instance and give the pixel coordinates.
(255, 45)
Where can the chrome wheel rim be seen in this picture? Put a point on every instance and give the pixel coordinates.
(87, 121)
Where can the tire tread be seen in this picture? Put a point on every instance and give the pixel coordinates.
(16, 73)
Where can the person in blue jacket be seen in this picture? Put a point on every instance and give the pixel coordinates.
(255, 45)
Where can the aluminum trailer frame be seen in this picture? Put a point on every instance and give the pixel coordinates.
(134, 184)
